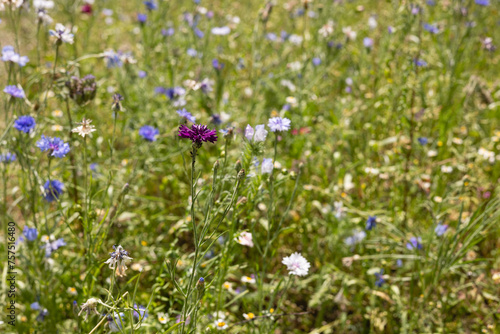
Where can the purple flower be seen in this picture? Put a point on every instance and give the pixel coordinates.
(7, 157)
(368, 42)
(51, 247)
(423, 140)
(41, 316)
(440, 229)
(30, 233)
(482, 2)
(142, 74)
(142, 18)
(8, 54)
(25, 124)
(414, 243)
(279, 124)
(56, 146)
(316, 61)
(420, 63)
(217, 65)
(192, 52)
(198, 134)
(148, 132)
(432, 28)
(380, 280)
(35, 306)
(53, 189)
(168, 32)
(142, 314)
(198, 33)
(371, 222)
(187, 115)
(150, 5)
(14, 91)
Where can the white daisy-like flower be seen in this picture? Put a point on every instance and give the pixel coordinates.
(220, 324)
(296, 264)
(245, 239)
(90, 307)
(349, 33)
(85, 128)
(446, 169)
(162, 318)
(62, 34)
(327, 29)
(118, 259)
(248, 316)
(248, 279)
(72, 291)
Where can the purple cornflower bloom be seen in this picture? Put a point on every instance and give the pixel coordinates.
(57, 146)
(25, 124)
(7, 157)
(41, 316)
(148, 132)
(414, 243)
(8, 54)
(380, 280)
(368, 42)
(198, 33)
(198, 134)
(142, 74)
(51, 247)
(35, 306)
(279, 124)
(371, 222)
(440, 229)
(423, 140)
(142, 18)
(432, 28)
(53, 189)
(316, 61)
(150, 5)
(14, 91)
(187, 115)
(192, 52)
(30, 233)
(217, 65)
(142, 314)
(168, 32)
(420, 63)
(482, 2)
(271, 36)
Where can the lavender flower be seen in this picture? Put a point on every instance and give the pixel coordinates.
(371, 222)
(25, 124)
(198, 134)
(187, 115)
(440, 229)
(267, 166)
(368, 42)
(432, 28)
(482, 2)
(142, 314)
(7, 158)
(217, 65)
(316, 61)
(62, 34)
(414, 243)
(30, 233)
(57, 147)
(423, 140)
(148, 132)
(279, 124)
(150, 5)
(51, 247)
(53, 189)
(15, 91)
(380, 279)
(142, 18)
(8, 54)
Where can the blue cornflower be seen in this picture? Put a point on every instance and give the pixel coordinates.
(51, 247)
(148, 132)
(371, 222)
(316, 61)
(53, 189)
(142, 18)
(35, 306)
(113, 59)
(423, 140)
(41, 316)
(271, 36)
(7, 158)
(168, 32)
(414, 243)
(25, 124)
(368, 42)
(380, 280)
(356, 238)
(432, 28)
(217, 65)
(440, 229)
(482, 2)
(150, 5)
(30, 233)
(420, 63)
(192, 52)
(198, 33)
(279, 124)
(14, 91)
(142, 314)
(142, 74)
(399, 263)
(8, 54)
(187, 115)
(58, 148)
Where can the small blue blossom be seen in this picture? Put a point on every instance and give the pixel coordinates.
(423, 140)
(25, 124)
(482, 2)
(57, 147)
(279, 124)
(414, 243)
(30, 233)
(142, 18)
(41, 316)
(192, 52)
(368, 42)
(142, 74)
(7, 158)
(379, 278)
(51, 247)
(432, 28)
(8, 54)
(150, 5)
(148, 132)
(198, 33)
(168, 32)
(142, 314)
(35, 306)
(14, 91)
(217, 65)
(53, 189)
(440, 229)
(420, 63)
(371, 222)
(316, 61)
(187, 115)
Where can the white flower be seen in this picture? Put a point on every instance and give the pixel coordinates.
(12, 3)
(372, 23)
(43, 4)
(487, 155)
(327, 29)
(258, 135)
(248, 316)
(297, 264)
(248, 279)
(295, 39)
(432, 153)
(245, 239)
(446, 169)
(85, 128)
(221, 31)
(72, 291)
(117, 260)
(90, 306)
(62, 34)
(220, 324)
(267, 166)
(349, 33)
(162, 318)
(339, 209)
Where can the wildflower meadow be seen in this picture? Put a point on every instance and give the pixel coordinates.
(274, 166)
